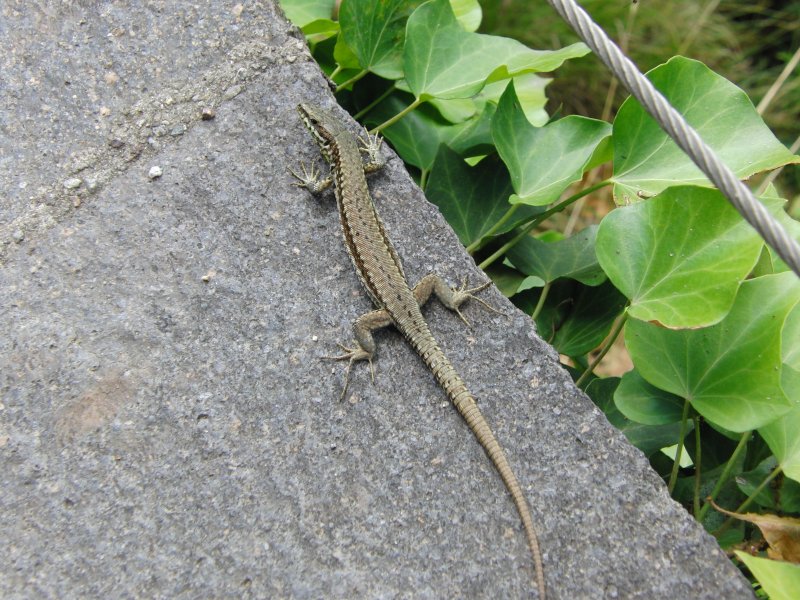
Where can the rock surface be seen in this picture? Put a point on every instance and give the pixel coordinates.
(168, 428)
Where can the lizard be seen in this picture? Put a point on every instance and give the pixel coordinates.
(379, 268)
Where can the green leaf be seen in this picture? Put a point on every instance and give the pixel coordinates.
(749, 481)
(468, 13)
(509, 281)
(319, 31)
(543, 161)
(304, 12)
(442, 60)
(455, 110)
(790, 352)
(680, 257)
(781, 580)
(474, 136)
(529, 88)
(730, 372)
(345, 58)
(789, 495)
(647, 161)
(644, 403)
(376, 31)
(588, 319)
(648, 438)
(782, 438)
(472, 199)
(573, 257)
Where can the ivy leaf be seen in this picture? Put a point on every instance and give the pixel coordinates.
(442, 60)
(468, 13)
(647, 161)
(643, 402)
(780, 580)
(781, 437)
(376, 31)
(304, 12)
(647, 438)
(543, 161)
(680, 257)
(472, 199)
(474, 136)
(730, 372)
(590, 315)
(573, 257)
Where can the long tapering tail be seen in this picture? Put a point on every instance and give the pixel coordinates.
(462, 399)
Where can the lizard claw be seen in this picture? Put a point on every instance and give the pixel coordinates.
(310, 179)
(352, 355)
(462, 294)
(371, 145)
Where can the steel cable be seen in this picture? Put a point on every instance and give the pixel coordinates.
(679, 130)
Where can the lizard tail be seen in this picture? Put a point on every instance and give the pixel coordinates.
(462, 399)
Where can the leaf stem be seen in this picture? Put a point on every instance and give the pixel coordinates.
(423, 178)
(697, 465)
(729, 521)
(538, 219)
(351, 81)
(374, 103)
(610, 339)
(397, 117)
(477, 245)
(723, 478)
(542, 298)
(673, 478)
(776, 86)
(335, 72)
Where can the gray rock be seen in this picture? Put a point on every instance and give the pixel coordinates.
(168, 425)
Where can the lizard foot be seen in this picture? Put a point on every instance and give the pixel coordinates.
(352, 355)
(310, 179)
(462, 294)
(371, 146)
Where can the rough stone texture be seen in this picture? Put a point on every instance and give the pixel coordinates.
(167, 426)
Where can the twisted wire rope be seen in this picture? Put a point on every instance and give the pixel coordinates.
(684, 135)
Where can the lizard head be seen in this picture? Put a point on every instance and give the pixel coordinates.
(322, 125)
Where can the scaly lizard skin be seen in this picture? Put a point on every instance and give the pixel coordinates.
(378, 266)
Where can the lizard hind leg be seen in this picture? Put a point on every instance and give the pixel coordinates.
(450, 297)
(364, 344)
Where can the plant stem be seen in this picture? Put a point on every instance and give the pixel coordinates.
(335, 72)
(776, 86)
(542, 298)
(697, 463)
(698, 26)
(774, 175)
(477, 245)
(351, 81)
(423, 178)
(673, 478)
(723, 478)
(610, 339)
(724, 527)
(397, 117)
(374, 103)
(538, 219)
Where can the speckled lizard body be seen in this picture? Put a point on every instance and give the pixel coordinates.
(379, 268)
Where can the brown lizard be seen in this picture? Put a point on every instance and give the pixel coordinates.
(378, 266)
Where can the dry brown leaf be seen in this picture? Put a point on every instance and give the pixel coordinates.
(781, 533)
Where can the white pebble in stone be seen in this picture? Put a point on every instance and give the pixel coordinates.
(155, 172)
(72, 183)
